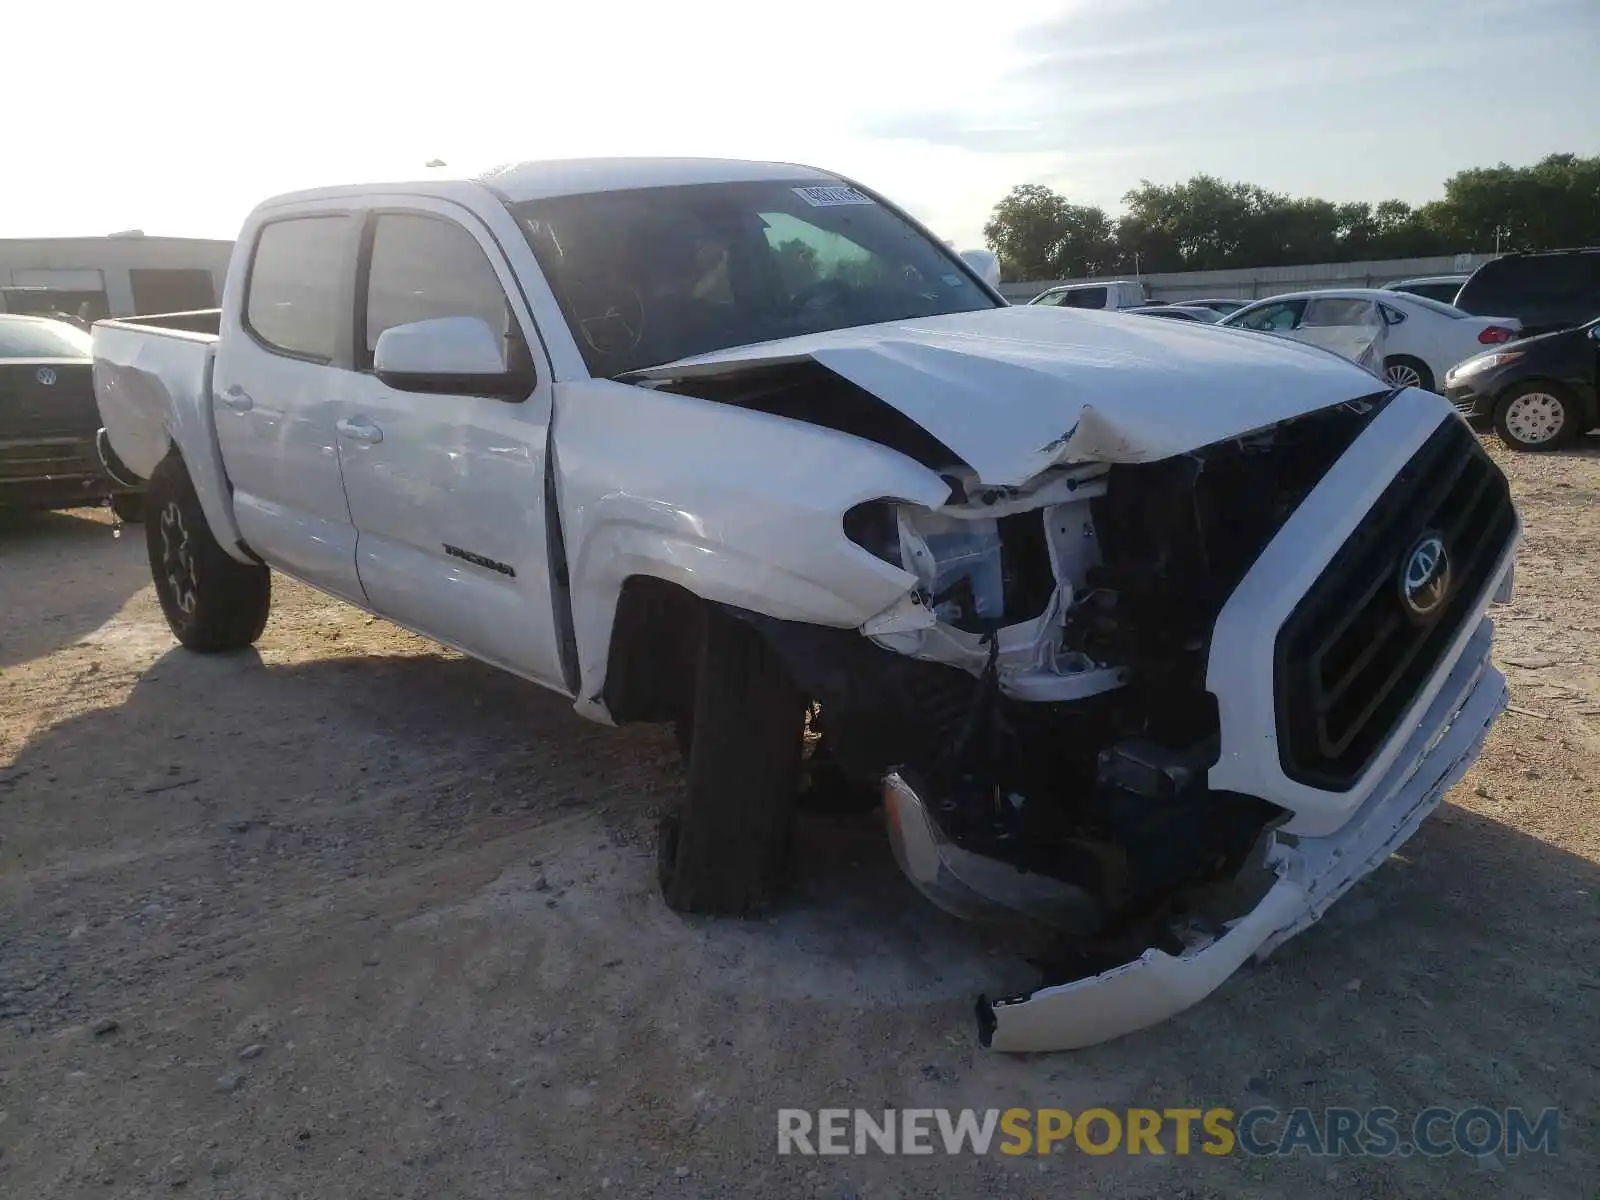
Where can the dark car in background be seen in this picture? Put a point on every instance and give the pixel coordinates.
(1217, 304)
(1178, 312)
(1545, 290)
(49, 422)
(1539, 393)
(1442, 288)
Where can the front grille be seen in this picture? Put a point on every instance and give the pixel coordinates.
(59, 458)
(1465, 407)
(1351, 658)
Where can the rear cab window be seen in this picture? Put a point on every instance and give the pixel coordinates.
(295, 295)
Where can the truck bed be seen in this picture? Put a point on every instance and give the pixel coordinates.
(151, 376)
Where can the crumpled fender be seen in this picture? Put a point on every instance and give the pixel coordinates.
(738, 507)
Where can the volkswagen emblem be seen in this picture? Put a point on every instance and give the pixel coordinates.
(46, 376)
(1425, 577)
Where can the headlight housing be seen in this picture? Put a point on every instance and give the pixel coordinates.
(1480, 363)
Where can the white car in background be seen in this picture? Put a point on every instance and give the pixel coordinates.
(1411, 340)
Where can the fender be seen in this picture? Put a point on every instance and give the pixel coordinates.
(153, 387)
(737, 507)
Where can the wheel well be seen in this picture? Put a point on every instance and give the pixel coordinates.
(650, 664)
(1410, 360)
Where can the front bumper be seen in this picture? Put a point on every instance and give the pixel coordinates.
(1470, 402)
(60, 471)
(1311, 874)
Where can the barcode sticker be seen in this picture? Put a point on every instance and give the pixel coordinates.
(826, 195)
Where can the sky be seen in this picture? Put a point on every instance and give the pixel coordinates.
(177, 116)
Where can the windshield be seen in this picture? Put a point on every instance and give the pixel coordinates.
(29, 337)
(650, 275)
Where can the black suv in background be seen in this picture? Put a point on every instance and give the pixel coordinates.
(1545, 290)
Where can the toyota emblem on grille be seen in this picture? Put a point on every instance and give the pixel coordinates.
(46, 376)
(1425, 577)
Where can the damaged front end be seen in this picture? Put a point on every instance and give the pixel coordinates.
(1055, 715)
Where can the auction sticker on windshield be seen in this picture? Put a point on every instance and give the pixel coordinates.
(825, 195)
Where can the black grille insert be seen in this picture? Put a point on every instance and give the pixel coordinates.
(1351, 658)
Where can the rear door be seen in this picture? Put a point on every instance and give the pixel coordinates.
(1350, 326)
(282, 360)
(448, 491)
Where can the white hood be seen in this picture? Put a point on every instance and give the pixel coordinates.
(1016, 390)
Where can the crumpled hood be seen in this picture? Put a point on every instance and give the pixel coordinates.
(1016, 390)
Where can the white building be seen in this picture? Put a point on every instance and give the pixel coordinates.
(119, 276)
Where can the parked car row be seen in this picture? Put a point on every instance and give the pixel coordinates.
(1448, 333)
(1415, 340)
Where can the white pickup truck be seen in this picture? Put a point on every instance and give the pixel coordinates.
(1151, 637)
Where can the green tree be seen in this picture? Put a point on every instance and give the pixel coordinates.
(1205, 223)
(1038, 234)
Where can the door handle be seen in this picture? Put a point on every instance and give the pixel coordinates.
(238, 399)
(360, 431)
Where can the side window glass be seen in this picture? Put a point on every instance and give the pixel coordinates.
(1052, 299)
(1324, 311)
(425, 267)
(297, 285)
(1274, 318)
(1093, 297)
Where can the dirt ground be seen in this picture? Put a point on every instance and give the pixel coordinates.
(371, 919)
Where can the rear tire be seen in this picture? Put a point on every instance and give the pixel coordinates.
(213, 602)
(1537, 416)
(724, 849)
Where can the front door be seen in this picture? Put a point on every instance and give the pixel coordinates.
(447, 491)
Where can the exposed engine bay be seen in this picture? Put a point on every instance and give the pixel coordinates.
(1043, 687)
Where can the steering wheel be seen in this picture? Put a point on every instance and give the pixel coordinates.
(821, 293)
(610, 318)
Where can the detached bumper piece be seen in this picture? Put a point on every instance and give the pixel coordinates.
(1311, 874)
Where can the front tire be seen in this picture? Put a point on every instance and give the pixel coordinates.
(1404, 371)
(213, 602)
(724, 849)
(1537, 416)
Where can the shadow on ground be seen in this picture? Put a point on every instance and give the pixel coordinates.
(429, 884)
(62, 575)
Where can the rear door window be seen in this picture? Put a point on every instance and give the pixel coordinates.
(297, 286)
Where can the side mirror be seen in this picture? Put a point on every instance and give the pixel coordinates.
(985, 264)
(451, 355)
